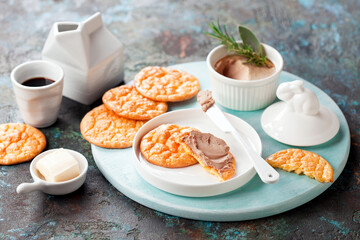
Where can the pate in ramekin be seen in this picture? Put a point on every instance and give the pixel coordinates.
(244, 95)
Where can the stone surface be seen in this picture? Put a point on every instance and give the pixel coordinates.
(319, 41)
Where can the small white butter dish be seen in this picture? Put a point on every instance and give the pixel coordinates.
(299, 119)
(54, 188)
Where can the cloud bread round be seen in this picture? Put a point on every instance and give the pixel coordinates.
(127, 102)
(302, 162)
(166, 84)
(160, 148)
(104, 128)
(20, 143)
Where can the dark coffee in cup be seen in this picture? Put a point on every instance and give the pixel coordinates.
(38, 82)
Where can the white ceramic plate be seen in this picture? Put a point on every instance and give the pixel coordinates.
(194, 181)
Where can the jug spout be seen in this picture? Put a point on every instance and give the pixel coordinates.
(93, 23)
(67, 27)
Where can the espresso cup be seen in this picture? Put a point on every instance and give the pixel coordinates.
(39, 105)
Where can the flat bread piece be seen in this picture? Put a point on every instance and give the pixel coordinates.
(103, 128)
(127, 102)
(166, 84)
(160, 148)
(302, 162)
(19, 143)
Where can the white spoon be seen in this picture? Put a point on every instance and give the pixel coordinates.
(267, 173)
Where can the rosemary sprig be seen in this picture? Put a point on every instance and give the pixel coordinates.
(228, 40)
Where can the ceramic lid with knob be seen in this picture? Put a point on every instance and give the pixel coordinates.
(299, 119)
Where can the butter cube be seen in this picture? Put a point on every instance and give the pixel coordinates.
(58, 166)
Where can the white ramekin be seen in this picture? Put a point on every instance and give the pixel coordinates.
(244, 95)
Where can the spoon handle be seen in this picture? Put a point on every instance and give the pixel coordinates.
(266, 172)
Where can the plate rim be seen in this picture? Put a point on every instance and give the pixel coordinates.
(155, 122)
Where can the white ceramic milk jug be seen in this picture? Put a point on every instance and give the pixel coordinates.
(90, 55)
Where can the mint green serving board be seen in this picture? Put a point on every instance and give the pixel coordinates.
(253, 200)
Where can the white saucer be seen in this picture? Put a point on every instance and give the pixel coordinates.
(194, 181)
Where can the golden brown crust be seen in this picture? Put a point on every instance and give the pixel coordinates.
(302, 162)
(223, 175)
(127, 102)
(160, 148)
(104, 128)
(20, 143)
(166, 84)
